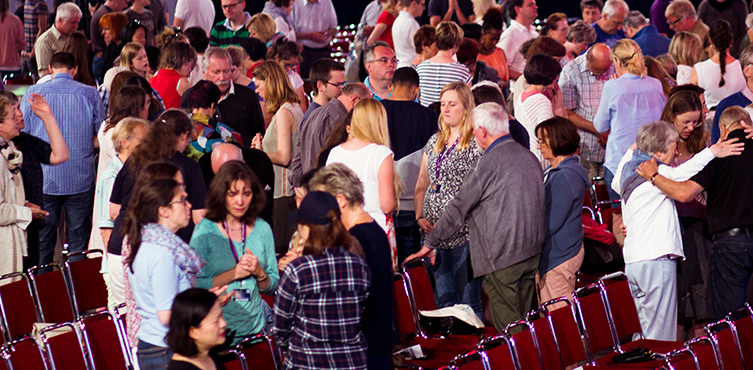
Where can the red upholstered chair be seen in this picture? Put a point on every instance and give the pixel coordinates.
(260, 352)
(705, 352)
(53, 301)
(65, 351)
(593, 319)
(19, 313)
(233, 359)
(468, 361)
(682, 359)
(23, 353)
(526, 346)
(723, 334)
(86, 284)
(105, 340)
(566, 331)
(744, 325)
(499, 353)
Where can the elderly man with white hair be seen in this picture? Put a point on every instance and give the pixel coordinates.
(651, 249)
(505, 245)
(609, 27)
(67, 17)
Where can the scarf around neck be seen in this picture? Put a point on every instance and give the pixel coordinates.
(630, 179)
(14, 159)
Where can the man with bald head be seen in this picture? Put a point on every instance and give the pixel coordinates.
(255, 159)
(581, 82)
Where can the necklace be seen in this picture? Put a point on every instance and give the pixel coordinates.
(353, 221)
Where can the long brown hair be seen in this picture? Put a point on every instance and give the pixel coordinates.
(277, 89)
(228, 173)
(77, 44)
(127, 102)
(332, 234)
(682, 102)
(143, 208)
(159, 142)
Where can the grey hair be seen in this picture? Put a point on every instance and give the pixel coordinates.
(67, 11)
(656, 137)
(492, 117)
(611, 7)
(357, 88)
(746, 56)
(368, 51)
(581, 31)
(681, 8)
(337, 178)
(217, 52)
(635, 19)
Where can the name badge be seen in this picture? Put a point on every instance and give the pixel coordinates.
(241, 294)
(434, 188)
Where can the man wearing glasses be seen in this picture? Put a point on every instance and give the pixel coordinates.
(315, 22)
(232, 29)
(380, 63)
(681, 17)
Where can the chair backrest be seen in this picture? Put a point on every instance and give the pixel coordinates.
(87, 286)
(468, 361)
(53, 302)
(546, 336)
(498, 352)
(65, 351)
(744, 325)
(104, 340)
(593, 319)
(621, 310)
(19, 313)
(705, 352)
(24, 354)
(724, 335)
(233, 359)
(526, 346)
(406, 322)
(419, 284)
(682, 359)
(261, 352)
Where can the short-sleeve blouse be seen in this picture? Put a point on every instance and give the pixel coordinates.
(453, 169)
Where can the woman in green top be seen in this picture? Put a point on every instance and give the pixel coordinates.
(238, 247)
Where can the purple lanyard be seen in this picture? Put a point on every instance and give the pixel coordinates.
(230, 240)
(445, 152)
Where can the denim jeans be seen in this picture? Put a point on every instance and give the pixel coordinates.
(98, 66)
(729, 273)
(151, 357)
(407, 234)
(608, 177)
(454, 281)
(78, 219)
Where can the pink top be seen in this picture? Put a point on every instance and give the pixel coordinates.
(11, 43)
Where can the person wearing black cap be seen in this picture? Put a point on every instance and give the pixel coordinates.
(327, 281)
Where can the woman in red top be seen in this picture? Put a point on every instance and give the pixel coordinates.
(171, 80)
(383, 29)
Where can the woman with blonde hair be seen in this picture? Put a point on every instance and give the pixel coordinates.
(443, 68)
(280, 101)
(627, 103)
(686, 48)
(448, 158)
(261, 26)
(367, 152)
(132, 58)
(238, 72)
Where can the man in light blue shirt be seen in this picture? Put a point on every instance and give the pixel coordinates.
(380, 62)
(79, 112)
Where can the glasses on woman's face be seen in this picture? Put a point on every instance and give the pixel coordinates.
(696, 123)
(183, 200)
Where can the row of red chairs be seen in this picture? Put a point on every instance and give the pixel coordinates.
(61, 295)
(94, 341)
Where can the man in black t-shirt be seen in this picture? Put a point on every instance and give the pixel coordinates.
(410, 125)
(729, 209)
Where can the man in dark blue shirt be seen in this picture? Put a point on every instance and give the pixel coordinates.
(652, 43)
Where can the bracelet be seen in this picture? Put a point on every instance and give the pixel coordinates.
(653, 178)
(262, 279)
(419, 217)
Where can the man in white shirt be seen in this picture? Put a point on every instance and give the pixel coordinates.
(315, 22)
(190, 13)
(403, 29)
(523, 13)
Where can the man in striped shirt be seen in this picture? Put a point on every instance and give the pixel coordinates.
(79, 113)
(232, 29)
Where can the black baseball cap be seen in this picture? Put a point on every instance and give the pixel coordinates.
(314, 208)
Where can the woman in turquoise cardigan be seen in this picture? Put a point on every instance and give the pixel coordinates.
(246, 260)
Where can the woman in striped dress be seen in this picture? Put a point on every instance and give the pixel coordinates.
(442, 69)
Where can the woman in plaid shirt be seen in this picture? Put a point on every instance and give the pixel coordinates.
(321, 295)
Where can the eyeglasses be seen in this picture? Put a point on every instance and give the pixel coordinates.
(698, 123)
(182, 200)
(386, 61)
(672, 23)
(228, 6)
(337, 85)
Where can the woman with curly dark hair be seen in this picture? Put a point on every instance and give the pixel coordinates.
(238, 247)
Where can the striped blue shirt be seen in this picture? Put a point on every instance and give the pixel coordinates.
(435, 76)
(79, 113)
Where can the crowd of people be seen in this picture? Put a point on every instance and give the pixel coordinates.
(194, 157)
